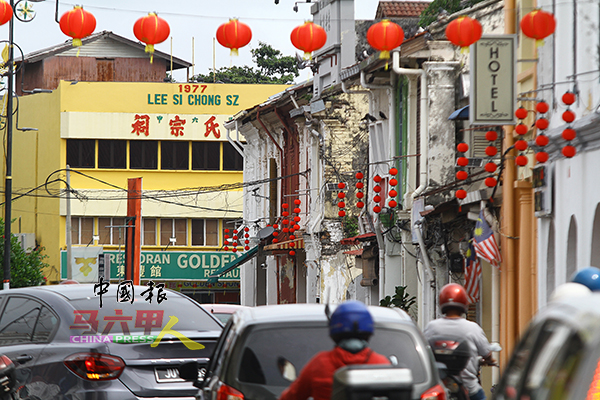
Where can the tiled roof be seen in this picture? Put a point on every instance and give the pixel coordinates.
(401, 9)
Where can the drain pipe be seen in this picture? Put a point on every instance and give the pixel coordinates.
(234, 142)
(424, 123)
(427, 284)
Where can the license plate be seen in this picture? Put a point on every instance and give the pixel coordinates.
(166, 374)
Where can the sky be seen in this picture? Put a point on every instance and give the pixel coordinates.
(192, 21)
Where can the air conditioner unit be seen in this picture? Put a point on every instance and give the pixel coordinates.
(27, 241)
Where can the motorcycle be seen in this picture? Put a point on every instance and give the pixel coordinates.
(454, 356)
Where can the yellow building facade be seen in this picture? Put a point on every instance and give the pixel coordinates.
(169, 134)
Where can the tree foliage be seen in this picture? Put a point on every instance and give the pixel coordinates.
(25, 269)
(401, 299)
(271, 67)
(436, 7)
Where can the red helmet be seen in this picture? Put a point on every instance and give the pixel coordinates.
(453, 295)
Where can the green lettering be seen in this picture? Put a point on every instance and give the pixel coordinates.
(175, 99)
(235, 102)
(228, 98)
(218, 100)
(150, 99)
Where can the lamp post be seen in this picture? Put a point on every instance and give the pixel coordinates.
(8, 179)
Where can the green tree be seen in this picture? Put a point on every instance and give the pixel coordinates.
(271, 67)
(25, 269)
(401, 299)
(436, 7)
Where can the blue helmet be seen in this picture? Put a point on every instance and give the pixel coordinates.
(351, 319)
(588, 276)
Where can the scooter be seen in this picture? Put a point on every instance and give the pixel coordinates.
(454, 356)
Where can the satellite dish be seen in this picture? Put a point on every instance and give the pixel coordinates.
(265, 232)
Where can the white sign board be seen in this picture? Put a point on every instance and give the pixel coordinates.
(84, 263)
(493, 80)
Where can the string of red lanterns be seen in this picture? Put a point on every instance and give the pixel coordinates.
(541, 139)
(359, 185)
(490, 166)
(392, 203)
(462, 174)
(341, 204)
(377, 197)
(569, 133)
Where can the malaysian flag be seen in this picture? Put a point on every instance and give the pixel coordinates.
(484, 242)
(472, 269)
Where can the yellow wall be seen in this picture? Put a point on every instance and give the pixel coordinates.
(37, 154)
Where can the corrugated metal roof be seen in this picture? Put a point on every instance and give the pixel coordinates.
(401, 9)
(105, 44)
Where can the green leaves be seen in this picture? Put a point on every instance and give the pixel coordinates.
(401, 299)
(25, 269)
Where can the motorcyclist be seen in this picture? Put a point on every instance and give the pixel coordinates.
(453, 304)
(350, 327)
(589, 277)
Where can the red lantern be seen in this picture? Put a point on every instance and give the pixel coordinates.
(491, 151)
(569, 134)
(292, 252)
(6, 12)
(297, 218)
(246, 248)
(285, 222)
(77, 24)
(284, 205)
(490, 167)
(464, 31)
(568, 116)
(521, 145)
(360, 185)
(393, 182)
(291, 237)
(385, 36)
(285, 213)
(538, 24)
(360, 195)
(341, 204)
(226, 248)
(234, 249)
(342, 213)
(491, 135)
(275, 240)
(462, 147)
(377, 178)
(275, 233)
(377, 188)
(521, 113)
(151, 30)
(542, 107)
(542, 123)
(297, 202)
(521, 129)
(462, 161)
(392, 203)
(246, 229)
(377, 198)
(569, 151)
(393, 171)
(541, 157)
(360, 204)
(542, 140)
(341, 185)
(340, 195)
(461, 194)
(296, 227)
(359, 175)
(308, 37)
(490, 182)
(568, 98)
(521, 160)
(462, 175)
(393, 193)
(234, 35)
(377, 209)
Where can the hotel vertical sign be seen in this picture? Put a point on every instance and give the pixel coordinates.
(493, 80)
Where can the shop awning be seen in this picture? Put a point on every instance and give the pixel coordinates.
(214, 277)
(460, 114)
(287, 245)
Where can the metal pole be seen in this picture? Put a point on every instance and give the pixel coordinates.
(68, 225)
(8, 178)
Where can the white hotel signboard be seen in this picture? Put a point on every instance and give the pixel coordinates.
(493, 80)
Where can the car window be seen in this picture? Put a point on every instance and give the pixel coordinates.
(402, 345)
(141, 317)
(45, 325)
(18, 320)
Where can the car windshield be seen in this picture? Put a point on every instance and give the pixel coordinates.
(141, 317)
(264, 349)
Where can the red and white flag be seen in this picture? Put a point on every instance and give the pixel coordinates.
(472, 270)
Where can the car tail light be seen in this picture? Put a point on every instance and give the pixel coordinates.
(226, 392)
(435, 393)
(95, 366)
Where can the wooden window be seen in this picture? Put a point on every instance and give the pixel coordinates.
(143, 154)
(174, 155)
(111, 231)
(149, 232)
(205, 232)
(111, 154)
(173, 228)
(82, 230)
(206, 156)
(81, 153)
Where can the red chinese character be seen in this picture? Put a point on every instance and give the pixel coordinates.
(118, 317)
(176, 125)
(211, 127)
(141, 125)
(148, 319)
(81, 323)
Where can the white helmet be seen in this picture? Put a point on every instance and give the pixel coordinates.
(569, 289)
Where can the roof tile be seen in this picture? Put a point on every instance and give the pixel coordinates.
(401, 9)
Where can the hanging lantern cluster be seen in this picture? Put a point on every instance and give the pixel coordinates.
(541, 139)
(385, 36)
(393, 193)
(491, 136)
(521, 145)
(246, 238)
(295, 227)
(359, 193)
(151, 30)
(285, 222)
(234, 35)
(308, 37)
(275, 233)
(463, 32)
(569, 133)
(538, 25)
(461, 174)
(78, 24)
(234, 241)
(377, 196)
(341, 195)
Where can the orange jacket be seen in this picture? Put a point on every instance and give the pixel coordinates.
(316, 378)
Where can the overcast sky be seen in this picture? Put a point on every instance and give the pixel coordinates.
(197, 19)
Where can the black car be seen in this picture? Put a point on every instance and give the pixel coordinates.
(262, 349)
(66, 346)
